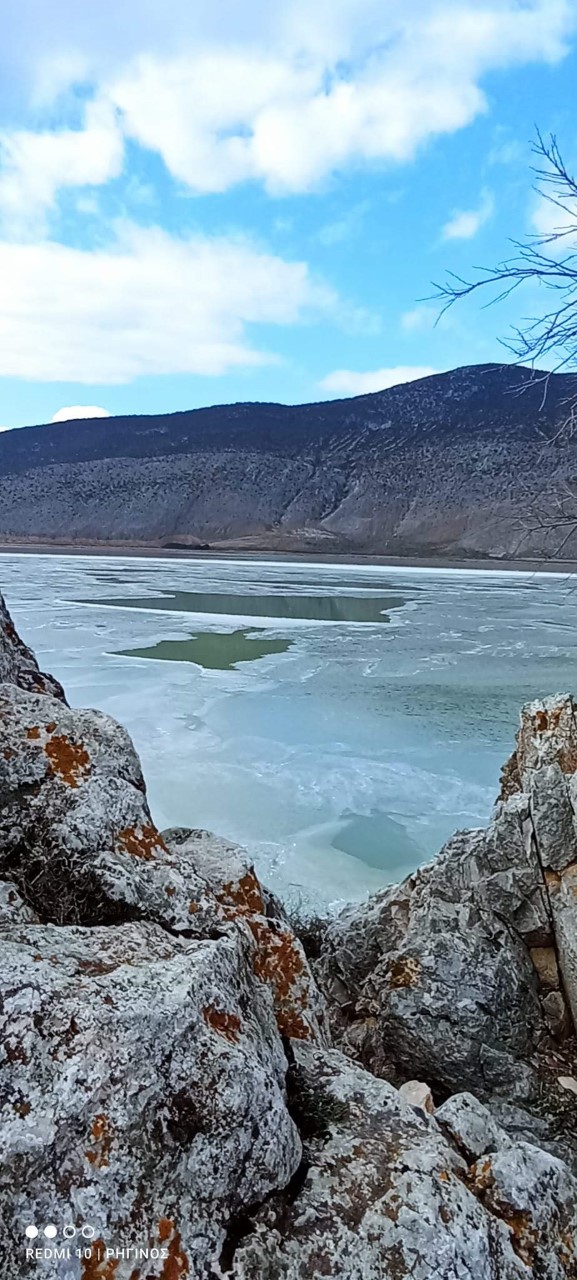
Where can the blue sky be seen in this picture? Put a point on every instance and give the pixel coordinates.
(209, 202)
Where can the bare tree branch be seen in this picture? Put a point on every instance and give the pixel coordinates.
(548, 261)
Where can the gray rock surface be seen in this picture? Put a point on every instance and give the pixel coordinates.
(18, 664)
(466, 974)
(545, 764)
(452, 996)
(142, 1087)
(78, 840)
(387, 1196)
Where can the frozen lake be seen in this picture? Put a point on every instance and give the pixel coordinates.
(340, 721)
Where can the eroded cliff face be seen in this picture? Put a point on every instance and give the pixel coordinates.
(449, 464)
(166, 1073)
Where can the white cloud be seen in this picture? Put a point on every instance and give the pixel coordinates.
(149, 304)
(290, 94)
(390, 76)
(347, 382)
(76, 411)
(465, 224)
(35, 166)
(420, 319)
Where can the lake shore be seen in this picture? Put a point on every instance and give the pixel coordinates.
(306, 555)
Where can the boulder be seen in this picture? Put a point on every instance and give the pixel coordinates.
(78, 841)
(18, 664)
(418, 1094)
(451, 993)
(279, 957)
(385, 1194)
(76, 834)
(142, 1086)
(545, 764)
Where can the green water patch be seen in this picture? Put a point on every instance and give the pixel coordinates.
(379, 841)
(216, 651)
(336, 608)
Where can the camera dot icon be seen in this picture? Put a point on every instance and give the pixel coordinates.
(31, 1232)
(50, 1231)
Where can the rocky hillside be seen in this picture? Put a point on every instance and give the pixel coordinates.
(168, 1088)
(454, 463)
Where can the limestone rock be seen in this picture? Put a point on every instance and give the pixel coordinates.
(418, 1095)
(77, 837)
(142, 1086)
(547, 736)
(386, 1194)
(13, 908)
(453, 994)
(533, 1193)
(470, 1126)
(557, 1015)
(18, 664)
(546, 756)
(76, 833)
(279, 959)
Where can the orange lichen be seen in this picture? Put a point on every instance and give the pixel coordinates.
(279, 962)
(141, 842)
(96, 968)
(33, 733)
(510, 778)
(524, 1236)
(569, 879)
(193, 907)
(176, 1265)
(226, 1024)
(98, 1266)
(279, 959)
(481, 1176)
(69, 760)
(101, 1140)
(245, 894)
(404, 972)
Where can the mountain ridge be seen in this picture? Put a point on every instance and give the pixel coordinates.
(448, 464)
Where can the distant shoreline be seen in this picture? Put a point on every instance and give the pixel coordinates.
(223, 552)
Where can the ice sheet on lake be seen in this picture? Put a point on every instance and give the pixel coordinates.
(347, 757)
